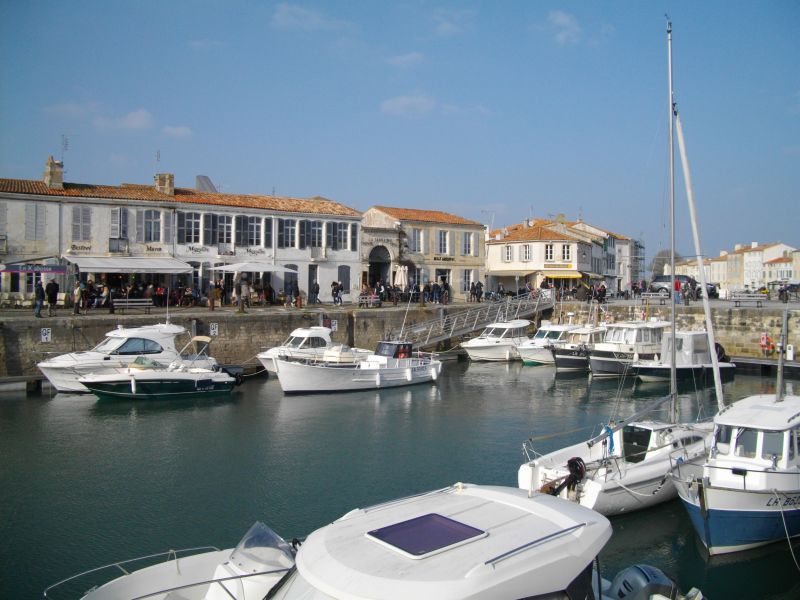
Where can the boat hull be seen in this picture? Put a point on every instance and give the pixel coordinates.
(701, 374)
(163, 388)
(536, 355)
(729, 520)
(613, 364)
(492, 352)
(570, 359)
(297, 377)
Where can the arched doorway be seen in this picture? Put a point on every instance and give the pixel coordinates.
(380, 262)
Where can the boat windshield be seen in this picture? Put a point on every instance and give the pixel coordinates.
(542, 334)
(722, 439)
(294, 341)
(261, 547)
(492, 332)
(108, 345)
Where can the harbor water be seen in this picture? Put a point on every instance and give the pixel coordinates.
(84, 483)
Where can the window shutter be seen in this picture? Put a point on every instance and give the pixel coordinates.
(115, 219)
(168, 226)
(76, 223)
(451, 243)
(3, 218)
(268, 232)
(303, 226)
(140, 226)
(354, 237)
(208, 229)
(86, 223)
(329, 235)
(181, 228)
(239, 230)
(476, 251)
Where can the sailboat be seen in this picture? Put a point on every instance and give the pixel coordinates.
(626, 467)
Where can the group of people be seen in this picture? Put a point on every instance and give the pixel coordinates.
(42, 293)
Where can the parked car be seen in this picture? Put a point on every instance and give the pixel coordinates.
(661, 285)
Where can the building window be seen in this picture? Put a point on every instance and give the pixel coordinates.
(224, 229)
(466, 244)
(189, 228)
(566, 252)
(416, 240)
(286, 233)
(548, 251)
(526, 253)
(310, 234)
(34, 221)
(119, 223)
(441, 248)
(508, 253)
(148, 226)
(336, 234)
(343, 277)
(253, 231)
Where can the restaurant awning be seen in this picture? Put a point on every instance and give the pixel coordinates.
(510, 273)
(561, 274)
(253, 267)
(129, 264)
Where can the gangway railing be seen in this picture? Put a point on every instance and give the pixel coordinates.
(463, 322)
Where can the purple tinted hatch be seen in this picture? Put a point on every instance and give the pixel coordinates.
(425, 534)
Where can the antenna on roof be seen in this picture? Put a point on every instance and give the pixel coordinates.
(64, 146)
(491, 219)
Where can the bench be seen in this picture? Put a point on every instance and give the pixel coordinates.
(648, 296)
(369, 301)
(738, 297)
(122, 303)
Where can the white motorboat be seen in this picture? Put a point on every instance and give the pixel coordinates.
(573, 354)
(692, 360)
(145, 379)
(393, 364)
(536, 350)
(623, 343)
(308, 342)
(461, 542)
(250, 570)
(498, 341)
(119, 348)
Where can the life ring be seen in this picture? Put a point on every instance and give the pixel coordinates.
(767, 345)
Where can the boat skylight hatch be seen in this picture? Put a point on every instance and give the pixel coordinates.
(426, 535)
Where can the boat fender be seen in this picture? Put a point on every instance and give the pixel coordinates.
(133, 384)
(721, 355)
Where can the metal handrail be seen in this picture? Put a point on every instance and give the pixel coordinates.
(218, 581)
(119, 564)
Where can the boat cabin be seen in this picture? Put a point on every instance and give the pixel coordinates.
(308, 337)
(585, 335)
(517, 328)
(691, 347)
(640, 333)
(394, 349)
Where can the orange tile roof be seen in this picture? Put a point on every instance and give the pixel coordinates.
(779, 260)
(532, 234)
(128, 191)
(426, 216)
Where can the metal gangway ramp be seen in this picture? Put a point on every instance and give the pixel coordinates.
(460, 323)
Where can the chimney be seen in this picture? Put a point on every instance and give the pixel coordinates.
(737, 247)
(165, 183)
(754, 244)
(54, 174)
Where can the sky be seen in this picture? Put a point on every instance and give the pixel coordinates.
(495, 111)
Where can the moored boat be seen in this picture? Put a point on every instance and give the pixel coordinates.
(306, 342)
(393, 364)
(692, 361)
(120, 347)
(537, 350)
(145, 379)
(498, 341)
(573, 354)
(623, 343)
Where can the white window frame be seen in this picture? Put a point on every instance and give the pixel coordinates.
(508, 253)
(442, 239)
(416, 240)
(152, 226)
(466, 244)
(548, 252)
(566, 252)
(81, 223)
(526, 253)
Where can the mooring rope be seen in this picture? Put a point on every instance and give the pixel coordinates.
(786, 529)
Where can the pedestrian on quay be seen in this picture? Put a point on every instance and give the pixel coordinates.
(38, 299)
(76, 299)
(212, 294)
(51, 291)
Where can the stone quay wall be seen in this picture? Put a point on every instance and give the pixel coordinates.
(239, 337)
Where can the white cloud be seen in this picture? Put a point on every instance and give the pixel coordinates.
(408, 106)
(567, 29)
(177, 131)
(406, 60)
(138, 119)
(452, 22)
(297, 18)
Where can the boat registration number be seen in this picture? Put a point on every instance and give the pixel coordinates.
(784, 502)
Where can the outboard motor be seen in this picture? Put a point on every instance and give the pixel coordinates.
(640, 582)
(721, 355)
(577, 471)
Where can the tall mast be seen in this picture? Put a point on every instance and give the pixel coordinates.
(673, 379)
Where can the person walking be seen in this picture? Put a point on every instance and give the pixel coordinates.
(38, 299)
(51, 291)
(314, 294)
(76, 299)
